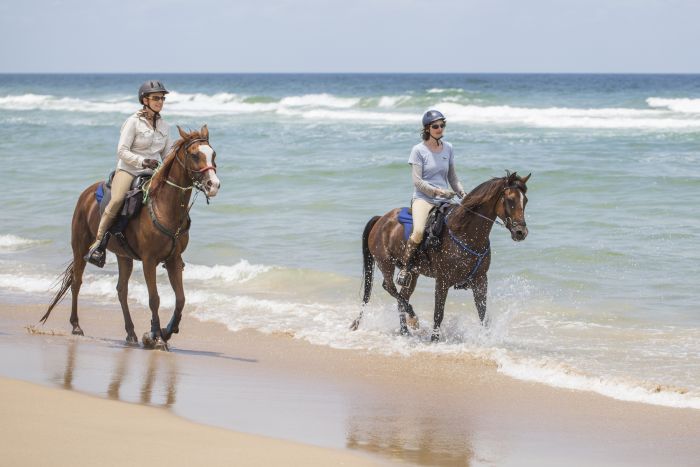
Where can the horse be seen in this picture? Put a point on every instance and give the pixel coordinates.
(159, 233)
(464, 255)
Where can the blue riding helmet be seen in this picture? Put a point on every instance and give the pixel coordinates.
(432, 116)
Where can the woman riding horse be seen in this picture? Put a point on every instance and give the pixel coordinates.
(145, 137)
(433, 169)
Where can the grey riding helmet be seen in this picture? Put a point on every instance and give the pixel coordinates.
(432, 116)
(150, 87)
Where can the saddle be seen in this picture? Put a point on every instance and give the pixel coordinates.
(133, 201)
(432, 236)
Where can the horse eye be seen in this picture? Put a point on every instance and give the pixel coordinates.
(195, 156)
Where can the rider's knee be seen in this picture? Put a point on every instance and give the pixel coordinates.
(416, 237)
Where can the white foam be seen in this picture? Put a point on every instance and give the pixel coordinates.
(13, 242)
(240, 272)
(682, 105)
(320, 100)
(556, 374)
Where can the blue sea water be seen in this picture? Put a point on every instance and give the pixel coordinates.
(601, 296)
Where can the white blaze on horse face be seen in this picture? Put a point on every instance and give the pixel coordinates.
(210, 180)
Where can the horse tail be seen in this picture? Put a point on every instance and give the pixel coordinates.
(66, 281)
(368, 261)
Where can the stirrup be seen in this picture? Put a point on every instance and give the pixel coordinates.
(96, 255)
(403, 278)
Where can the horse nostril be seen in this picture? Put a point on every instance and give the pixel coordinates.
(209, 183)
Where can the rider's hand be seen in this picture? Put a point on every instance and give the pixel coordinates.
(150, 164)
(447, 194)
(462, 194)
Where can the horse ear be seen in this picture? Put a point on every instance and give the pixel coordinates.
(204, 132)
(183, 134)
(524, 180)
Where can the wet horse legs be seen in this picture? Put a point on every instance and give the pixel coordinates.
(126, 266)
(174, 267)
(153, 338)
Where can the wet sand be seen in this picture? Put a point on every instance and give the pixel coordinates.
(427, 410)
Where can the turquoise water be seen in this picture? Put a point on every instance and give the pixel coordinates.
(601, 296)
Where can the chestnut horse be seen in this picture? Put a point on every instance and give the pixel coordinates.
(158, 234)
(464, 256)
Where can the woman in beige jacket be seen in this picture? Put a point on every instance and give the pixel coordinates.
(144, 139)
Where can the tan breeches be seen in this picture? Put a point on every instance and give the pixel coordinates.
(420, 210)
(120, 185)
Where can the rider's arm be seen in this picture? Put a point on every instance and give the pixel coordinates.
(126, 139)
(166, 148)
(421, 184)
(454, 181)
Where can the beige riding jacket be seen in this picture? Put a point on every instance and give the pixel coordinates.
(139, 141)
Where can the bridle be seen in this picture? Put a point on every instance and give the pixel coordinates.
(194, 174)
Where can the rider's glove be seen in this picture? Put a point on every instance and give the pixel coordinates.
(150, 164)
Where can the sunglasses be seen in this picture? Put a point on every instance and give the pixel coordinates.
(435, 126)
(156, 98)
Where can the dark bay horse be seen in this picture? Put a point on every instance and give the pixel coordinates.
(464, 256)
(158, 234)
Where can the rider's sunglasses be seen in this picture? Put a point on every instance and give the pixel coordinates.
(157, 98)
(435, 126)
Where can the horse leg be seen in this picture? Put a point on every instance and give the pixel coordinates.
(174, 267)
(440, 297)
(126, 266)
(405, 294)
(480, 289)
(78, 269)
(387, 269)
(153, 339)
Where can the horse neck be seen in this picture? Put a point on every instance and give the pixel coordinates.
(469, 225)
(171, 202)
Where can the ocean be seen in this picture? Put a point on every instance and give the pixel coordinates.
(602, 296)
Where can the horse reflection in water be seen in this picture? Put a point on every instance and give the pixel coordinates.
(464, 255)
(159, 375)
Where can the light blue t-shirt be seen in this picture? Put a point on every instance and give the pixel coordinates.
(435, 167)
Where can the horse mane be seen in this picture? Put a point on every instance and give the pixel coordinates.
(484, 192)
(491, 188)
(163, 172)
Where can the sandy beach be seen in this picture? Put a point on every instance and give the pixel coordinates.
(273, 400)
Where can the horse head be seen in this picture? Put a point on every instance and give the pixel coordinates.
(511, 206)
(199, 160)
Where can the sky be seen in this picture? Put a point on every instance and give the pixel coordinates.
(356, 36)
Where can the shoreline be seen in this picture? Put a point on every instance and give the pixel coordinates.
(427, 410)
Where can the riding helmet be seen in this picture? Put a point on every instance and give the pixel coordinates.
(150, 87)
(432, 116)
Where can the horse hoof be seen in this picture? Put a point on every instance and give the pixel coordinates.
(435, 337)
(132, 339)
(404, 331)
(77, 331)
(412, 322)
(160, 344)
(355, 324)
(148, 341)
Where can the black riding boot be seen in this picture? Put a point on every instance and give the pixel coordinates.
(404, 277)
(97, 253)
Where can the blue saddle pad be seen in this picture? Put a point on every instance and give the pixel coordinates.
(406, 219)
(100, 192)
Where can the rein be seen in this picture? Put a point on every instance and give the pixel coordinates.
(464, 247)
(185, 222)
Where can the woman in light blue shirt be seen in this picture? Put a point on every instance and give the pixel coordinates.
(434, 179)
